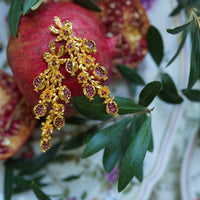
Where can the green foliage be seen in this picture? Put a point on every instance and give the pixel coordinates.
(149, 92)
(169, 92)
(86, 107)
(155, 44)
(38, 192)
(27, 5)
(14, 16)
(135, 154)
(104, 137)
(8, 182)
(193, 95)
(184, 36)
(128, 136)
(111, 154)
(179, 29)
(22, 184)
(195, 57)
(89, 4)
(130, 74)
(71, 178)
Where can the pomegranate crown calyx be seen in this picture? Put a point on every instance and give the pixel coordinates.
(75, 57)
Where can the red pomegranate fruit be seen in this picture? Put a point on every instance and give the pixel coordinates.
(25, 52)
(16, 117)
(61, 52)
(128, 19)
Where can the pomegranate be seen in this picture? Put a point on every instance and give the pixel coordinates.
(25, 52)
(16, 118)
(127, 18)
(61, 49)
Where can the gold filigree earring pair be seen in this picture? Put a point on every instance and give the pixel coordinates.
(77, 60)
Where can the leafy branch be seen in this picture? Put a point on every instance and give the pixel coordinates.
(125, 140)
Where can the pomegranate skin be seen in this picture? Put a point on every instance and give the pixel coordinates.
(25, 52)
(16, 118)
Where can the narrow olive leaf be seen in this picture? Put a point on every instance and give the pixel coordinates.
(74, 142)
(23, 184)
(193, 95)
(184, 36)
(71, 178)
(130, 74)
(42, 160)
(61, 158)
(89, 4)
(139, 173)
(128, 106)
(14, 16)
(176, 10)
(151, 144)
(134, 155)
(135, 126)
(104, 137)
(155, 44)
(130, 133)
(179, 29)
(76, 120)
(111, 154)
(27, 5)
(169, 92)
(37, 4)
(195, 57)
(8, 181)
(38, 192)
(149, 92)
(95, 110)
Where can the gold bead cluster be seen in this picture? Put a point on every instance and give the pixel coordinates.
(76, 57)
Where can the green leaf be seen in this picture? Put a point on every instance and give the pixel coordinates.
(169, 92)
(74, 142)
(76, 120)
(79, 139)
(184, 36)
(71, 178)
(128, 136)
(14, 16)
(139, 173)
(61, 158)
(193, 95)
(23, 184)
(176, 10)
(195, 57)
(94, 110)
(149, 92)
(151, 144)
(179, 29)
(42, 160)
(128, 106)
(135, 154)
(130, 74)
(30, 166)
(89, 4)
(27, 5)
(37, 4)
(38, 192)
(104, 137)
(8, 182)
(155, 44)
(111, 154)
